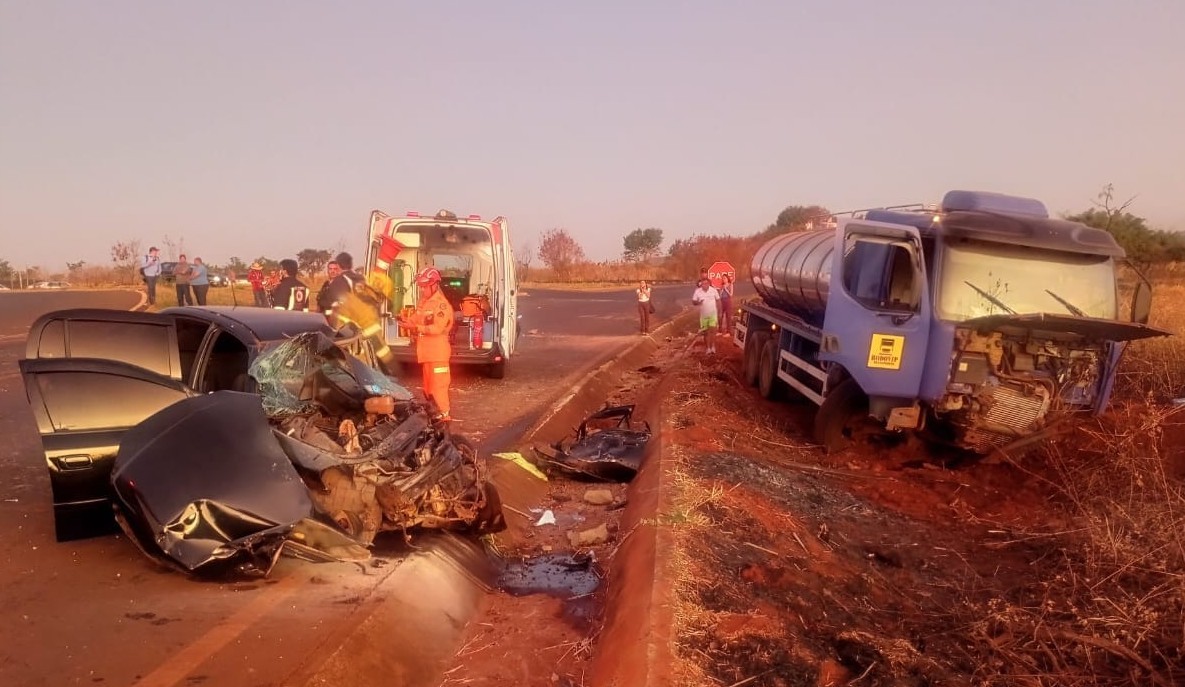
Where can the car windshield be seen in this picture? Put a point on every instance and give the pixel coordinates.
(288, 372)
(981, 278)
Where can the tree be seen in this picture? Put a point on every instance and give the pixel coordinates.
(74, 266)
(559, 251)
(522, 261)
(312, 261)
(237, 266)
(126, 254)
(6, 272)
(796, 218)
(1142, 244)
(642, 244)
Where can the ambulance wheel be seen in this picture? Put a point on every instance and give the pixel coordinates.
(842, 419)
(754, 342)
(496, 370)
(768, 384)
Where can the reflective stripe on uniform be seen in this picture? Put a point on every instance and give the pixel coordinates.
(440, 369)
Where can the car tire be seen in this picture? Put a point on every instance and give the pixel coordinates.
(496, 370)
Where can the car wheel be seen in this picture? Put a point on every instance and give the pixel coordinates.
(496, 370)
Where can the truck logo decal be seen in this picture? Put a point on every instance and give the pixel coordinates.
(885, 351)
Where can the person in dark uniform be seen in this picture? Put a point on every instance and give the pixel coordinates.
(341, 286)
(325, 305)
(291, 293)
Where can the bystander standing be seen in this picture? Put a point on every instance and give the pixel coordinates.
(200, 281)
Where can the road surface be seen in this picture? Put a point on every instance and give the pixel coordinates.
(98, 612)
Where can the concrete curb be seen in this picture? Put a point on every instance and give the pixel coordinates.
(588, 393)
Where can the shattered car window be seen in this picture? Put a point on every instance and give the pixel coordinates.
(290, 374)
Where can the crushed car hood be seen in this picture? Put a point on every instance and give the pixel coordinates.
(607, 447)
(1064, 327)
(205, 483)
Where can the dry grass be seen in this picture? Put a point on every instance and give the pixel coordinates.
(1154, 369)
(1108, 604)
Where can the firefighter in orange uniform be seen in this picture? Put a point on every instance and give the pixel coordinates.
(431, 324)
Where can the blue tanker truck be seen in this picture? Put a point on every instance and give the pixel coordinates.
(979, 323)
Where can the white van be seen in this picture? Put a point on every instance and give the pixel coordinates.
(476, 266)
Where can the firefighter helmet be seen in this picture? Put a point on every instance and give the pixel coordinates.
(428, 275)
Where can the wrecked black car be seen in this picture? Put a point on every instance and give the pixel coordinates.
(229, 479)
(309, 451)
(608, 446)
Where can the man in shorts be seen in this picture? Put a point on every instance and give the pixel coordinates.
(707, 299)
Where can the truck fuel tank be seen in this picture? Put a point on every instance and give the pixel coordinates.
(792, 272)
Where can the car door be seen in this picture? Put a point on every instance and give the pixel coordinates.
(89, 376)
(507, 287)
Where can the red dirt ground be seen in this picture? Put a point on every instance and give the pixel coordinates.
(792, 567)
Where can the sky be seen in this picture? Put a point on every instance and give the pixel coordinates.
(260, 127)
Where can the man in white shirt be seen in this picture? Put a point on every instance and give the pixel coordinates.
(150, 271)
(707, 299)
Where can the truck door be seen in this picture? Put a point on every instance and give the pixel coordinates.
(878, 312)
(506, 307)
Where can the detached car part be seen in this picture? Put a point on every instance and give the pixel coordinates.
(608, 447)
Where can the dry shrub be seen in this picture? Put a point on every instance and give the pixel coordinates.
(1107, 606)
(1156, 367)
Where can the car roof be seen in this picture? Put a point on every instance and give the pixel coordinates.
(266, 324)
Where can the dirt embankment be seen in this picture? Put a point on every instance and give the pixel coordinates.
(749, 557)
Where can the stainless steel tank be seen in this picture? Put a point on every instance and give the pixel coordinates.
(792, 272)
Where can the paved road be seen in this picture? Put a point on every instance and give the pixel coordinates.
(98, 612)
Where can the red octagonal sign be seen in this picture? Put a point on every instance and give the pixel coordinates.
(717, 271)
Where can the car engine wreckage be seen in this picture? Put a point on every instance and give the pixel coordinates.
(327, 455)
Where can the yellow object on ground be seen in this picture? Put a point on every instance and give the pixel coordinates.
(517, 459)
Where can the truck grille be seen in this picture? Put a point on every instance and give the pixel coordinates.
(1012, 414)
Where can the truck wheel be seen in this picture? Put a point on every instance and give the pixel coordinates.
(768, 384)
(496, 370)
(843, 417)
(754, 342)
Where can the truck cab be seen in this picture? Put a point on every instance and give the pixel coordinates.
(978, 323)
(478, 278)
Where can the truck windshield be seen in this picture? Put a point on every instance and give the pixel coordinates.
(981, 278)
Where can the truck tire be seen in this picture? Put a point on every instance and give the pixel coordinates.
(842, 417)
(754, 342)
(496, 370)
(768, 384)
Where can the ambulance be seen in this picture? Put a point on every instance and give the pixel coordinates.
(476, 265)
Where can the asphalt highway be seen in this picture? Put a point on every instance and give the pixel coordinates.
(97, 611)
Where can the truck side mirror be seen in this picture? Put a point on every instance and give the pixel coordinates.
(1142, 302)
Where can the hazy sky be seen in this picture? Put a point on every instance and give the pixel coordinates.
(252, 127)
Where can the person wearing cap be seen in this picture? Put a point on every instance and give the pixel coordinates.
(255, 278)
(150, 270)
(431, 324)
(290, 293)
